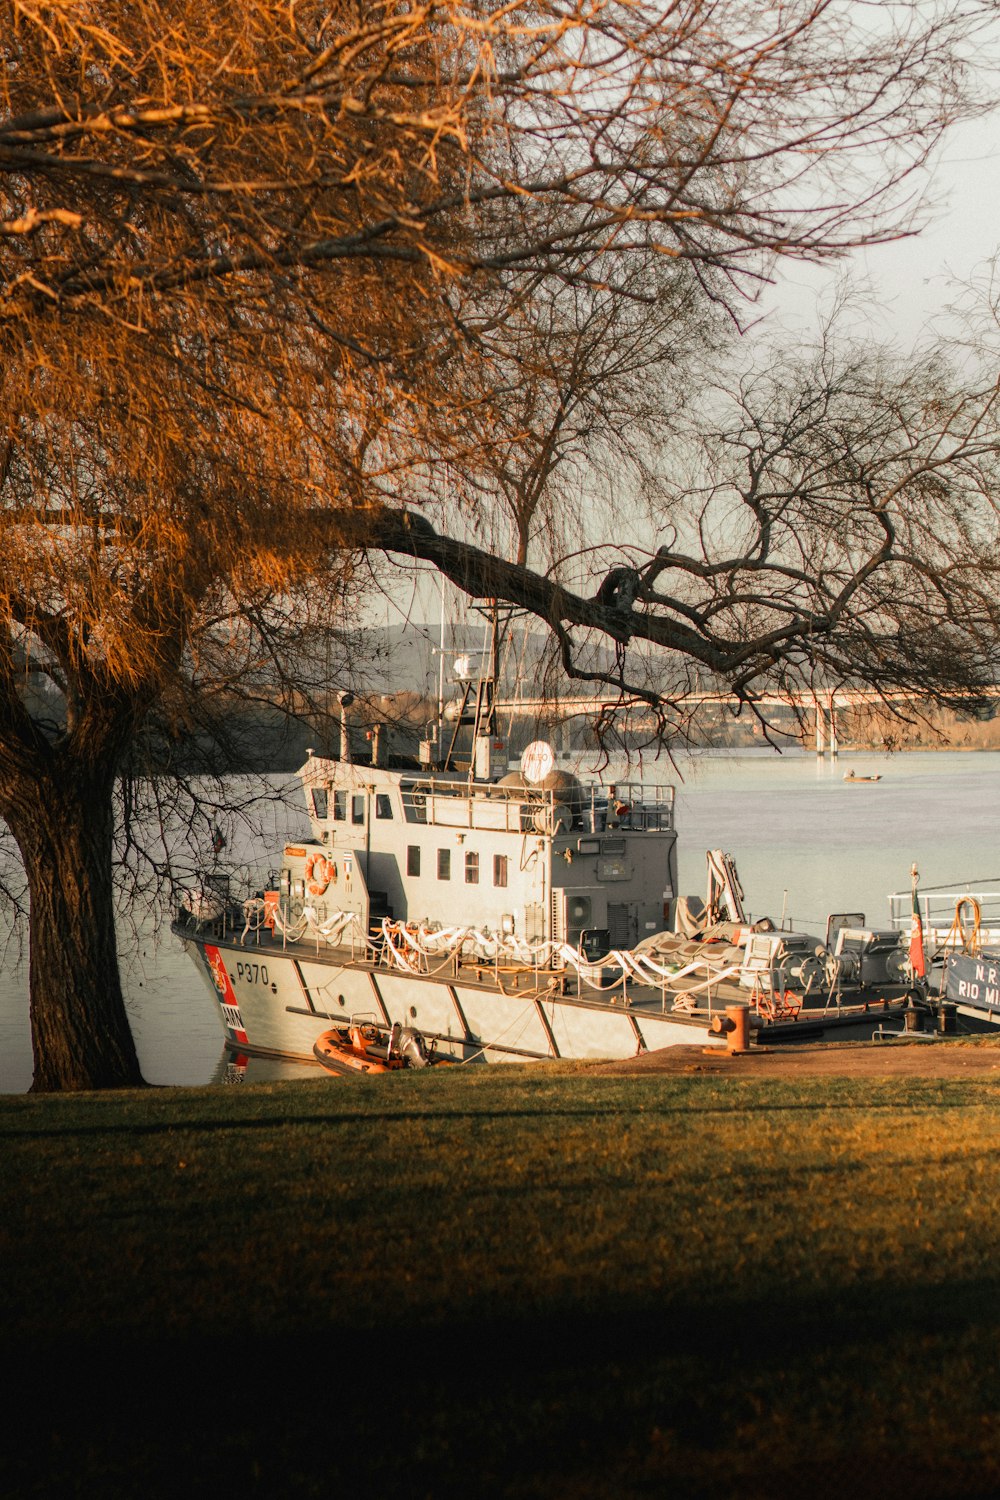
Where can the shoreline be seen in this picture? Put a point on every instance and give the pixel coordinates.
(929, 1058)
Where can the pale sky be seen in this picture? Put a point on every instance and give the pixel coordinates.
(914, 278)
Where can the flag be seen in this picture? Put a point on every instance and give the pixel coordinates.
(917, 962)
(218, 840)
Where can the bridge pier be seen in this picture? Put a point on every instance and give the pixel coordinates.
(834, 746)
(826, 731)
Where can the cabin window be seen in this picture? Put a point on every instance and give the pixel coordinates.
(413, 859)
(444, 864)
(471, 867)
(383, 805)
(340, 807)
(499, 869)
(358, 807)
(414, 803)
(320, 801)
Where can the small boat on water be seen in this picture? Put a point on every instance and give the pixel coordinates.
(852, 776)
(366, 1047)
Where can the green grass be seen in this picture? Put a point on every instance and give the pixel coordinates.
(515, 1282)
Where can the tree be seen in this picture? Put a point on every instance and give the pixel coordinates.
(835, 527)
(568, 417)
(249, 253)
(572, 396)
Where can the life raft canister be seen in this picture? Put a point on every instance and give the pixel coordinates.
(320, 872)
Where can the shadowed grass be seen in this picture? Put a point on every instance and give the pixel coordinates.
(518, 1282)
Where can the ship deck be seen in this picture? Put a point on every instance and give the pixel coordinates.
(697, 995)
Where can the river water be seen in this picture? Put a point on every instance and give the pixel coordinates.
(805, 843)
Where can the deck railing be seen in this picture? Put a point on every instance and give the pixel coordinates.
(952, 916)
(489, 805)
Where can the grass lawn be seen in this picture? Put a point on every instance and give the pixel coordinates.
(518, 1282)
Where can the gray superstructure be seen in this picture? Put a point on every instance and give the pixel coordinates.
(542, 862)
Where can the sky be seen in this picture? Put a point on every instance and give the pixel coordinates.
(914, 279)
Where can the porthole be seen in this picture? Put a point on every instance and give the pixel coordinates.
(413, 1012)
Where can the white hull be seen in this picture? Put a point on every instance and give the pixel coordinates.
(273, 1002)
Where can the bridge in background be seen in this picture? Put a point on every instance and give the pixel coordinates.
(822, 705)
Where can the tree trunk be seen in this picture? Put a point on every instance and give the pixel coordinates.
(63, 823)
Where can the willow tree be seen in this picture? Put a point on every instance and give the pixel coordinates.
(250, 254)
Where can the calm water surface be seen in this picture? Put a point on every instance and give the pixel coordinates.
(804, 843)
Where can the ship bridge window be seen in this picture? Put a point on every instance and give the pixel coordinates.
(414, 803)
(320, 801)
(358, 807)
(383, 805)
(413, 859)
(340, 807)
(471, 867)
(444, 864)
(500, 869)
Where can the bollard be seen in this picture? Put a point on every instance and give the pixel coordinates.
(913, 1018)
(947, 1018)
(739, 1037)
(735, 1027)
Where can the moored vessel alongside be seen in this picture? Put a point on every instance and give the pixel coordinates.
(958, 927)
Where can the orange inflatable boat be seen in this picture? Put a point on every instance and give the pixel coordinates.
(366, 1047)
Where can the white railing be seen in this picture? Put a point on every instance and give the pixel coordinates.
(953, 916)
(490, 805)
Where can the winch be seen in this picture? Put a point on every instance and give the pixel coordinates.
(868, 956)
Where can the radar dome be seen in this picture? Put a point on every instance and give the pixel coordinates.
(537, 760)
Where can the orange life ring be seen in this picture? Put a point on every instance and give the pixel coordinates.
(320, 871)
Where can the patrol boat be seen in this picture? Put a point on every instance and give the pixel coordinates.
(507, 917)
